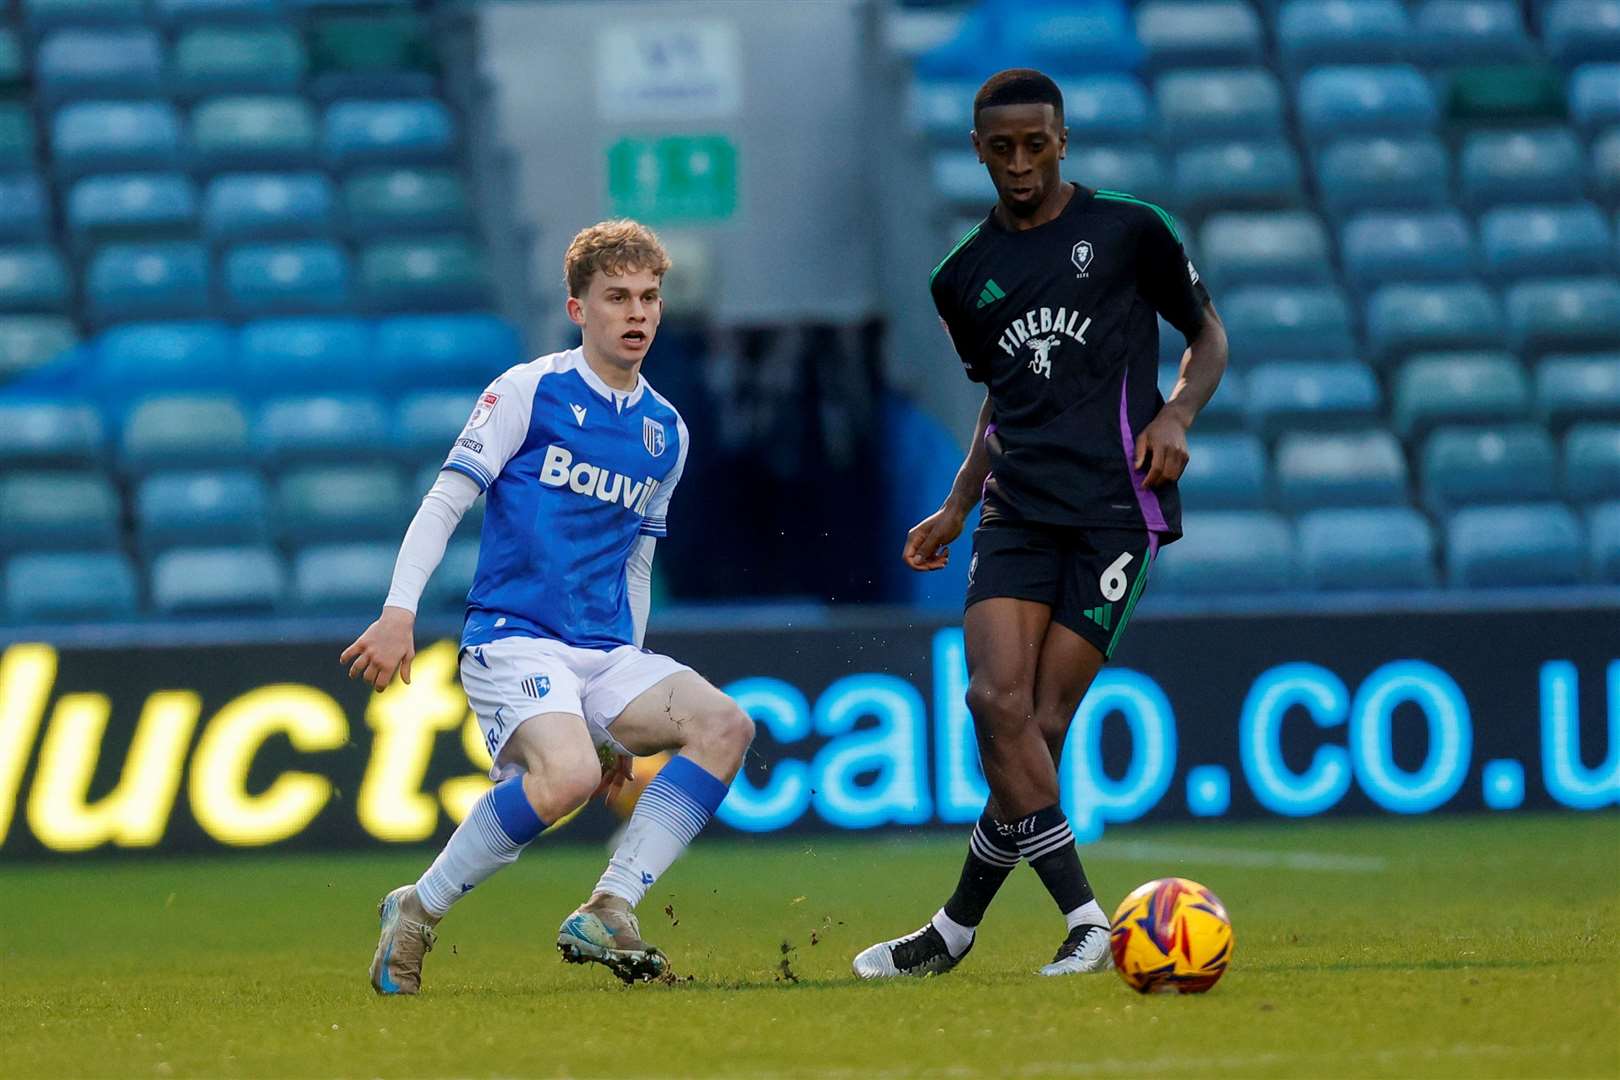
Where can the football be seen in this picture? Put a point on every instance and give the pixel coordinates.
(1171, 935)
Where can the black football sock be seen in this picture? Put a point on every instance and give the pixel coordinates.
(1047, 845)
(991, 856)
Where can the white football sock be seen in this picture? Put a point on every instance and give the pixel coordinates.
(1088, 914)
(957, 937)
(670, 813)
(492, 836)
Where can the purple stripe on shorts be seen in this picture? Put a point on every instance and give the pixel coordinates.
(1148, 502)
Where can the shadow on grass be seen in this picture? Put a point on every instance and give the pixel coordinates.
(1457, 964)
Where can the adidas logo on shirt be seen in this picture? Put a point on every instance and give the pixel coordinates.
(990, 293)
(560, 470)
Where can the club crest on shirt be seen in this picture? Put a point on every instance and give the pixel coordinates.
(652, 436)
(481, 412)
(1082, 255)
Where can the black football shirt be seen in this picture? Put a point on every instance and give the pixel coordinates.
(1058, 322)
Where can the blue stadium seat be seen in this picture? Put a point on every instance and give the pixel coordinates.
(429, 422)
(1526, 241)
(50, 587)
(1178, 34)
(18, 136)
(287, 278)
(1461, 465)
(1383, 173)
(29, 342)
(1138, 168)
(323, 428)
(1239, 175)
(46, 431)
(1451, 32)
(145, 281)
(1576, 31)
(426, 351)
(1433, 389)
(1229, 552)
(1313, 32)
(1592, 462)
(941, 109)
(43, 15)
(174, 509)
(184, 431)
(25, 210)
(1385, 247)
(1352, 468)
(101, 136)
(1559, 313)
(130, 206)
(60, 510)
(269, 206)
(124, 61)
(1208, 106)
(423, 272)
(358, 133)
(1605, 169)
(961, 179)
(1571, 388)
(343, 577)
(1269, 322)
(34, 278)
(1426, 316)
(316, 504)
(170, 356)
(1067, 38)
(14, 62)
(448, 587)
(182, 12)
(1284, 247)
(1537, 543)
(254, 132)
(1373, 100)
(1318, 395)
(1374, 548)
(1225, 472)
(1603, 532)
(414, 199)
(1594, 96)
(217, 580)
(238, 59)
(1520, 167)
(309, 354)
(1225, 411)
(1105, 108)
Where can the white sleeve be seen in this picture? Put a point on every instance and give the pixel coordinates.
(638, 583)
(494, 432)
(656, 523)
(419, 555)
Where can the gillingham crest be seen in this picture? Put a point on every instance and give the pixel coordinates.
(652, 436)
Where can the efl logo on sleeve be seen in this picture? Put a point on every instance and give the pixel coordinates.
(481, 412)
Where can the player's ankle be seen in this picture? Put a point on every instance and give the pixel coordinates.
(412, 908)
(611, 901)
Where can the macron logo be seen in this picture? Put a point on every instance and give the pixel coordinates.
(579, 414)
(560, 470)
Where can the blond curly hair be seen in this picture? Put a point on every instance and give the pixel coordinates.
(615, 247)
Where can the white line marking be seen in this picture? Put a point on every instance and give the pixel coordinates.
(1260, 858)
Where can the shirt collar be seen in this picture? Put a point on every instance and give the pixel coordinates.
(621, 399)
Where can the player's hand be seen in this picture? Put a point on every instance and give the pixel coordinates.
(927, 544)
(616, 771)
(1162, 449)
(387, 646)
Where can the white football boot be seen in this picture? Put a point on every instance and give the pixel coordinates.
(922, 952)
(1083, 952)
(407, 936)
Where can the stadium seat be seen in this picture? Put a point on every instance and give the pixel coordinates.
(1314, 32)
(49, 587)
(1594, 96)
(940, 109)
(184, 431)
(960, 178)
(1592, 462)
(1606, 168)
(1280, 248)
(413, 273)
(269, 206)
(1071, 38)
(1526, 241)
(290, 355)
(428, 423)
(1452, 32)
(217, 580)
(63, 431)
(1228, 552)
(1576, 31)
(28, 342)
(343, 577)
(447, 588)
(1383, 173)
(1138, 168)
(145, 357)
(1179, 34)
(173, 509)
(110, 62)
(187, 12)
(1225, 472)
(1571, 388)
(1385, 247)
(1351, 468)
(1426, 316)
(1106, 108)
(410, 199)
(13, 62)
(323, 428)
(1238, 175)
(287, 278)
(1522, 544)
(1434, 389)
(356, 133)
(238, 60)
(389, 53)
(1542, 166)
(1289, 395)
(25, 211)
(34, 278)
(1461, 465)
(253, 132)
(139, 206)
(168, 280)
(1390, 100)
(1373, 548)
(317, 504)
(17, 136)
(1269, 322)
(1603, 533)
(43, 15)
(1209, 106)
(427, 351)
(60, 510)
(1564, 313)
(1493, 95)
(98, 136)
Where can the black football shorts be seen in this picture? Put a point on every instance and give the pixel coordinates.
(1091, 578)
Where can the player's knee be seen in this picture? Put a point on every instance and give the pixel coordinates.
(998, 708)
(561, 787)
(728, 729)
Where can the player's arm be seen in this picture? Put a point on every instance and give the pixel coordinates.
(927, 545)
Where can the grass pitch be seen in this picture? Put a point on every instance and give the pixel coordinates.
(1443, 947)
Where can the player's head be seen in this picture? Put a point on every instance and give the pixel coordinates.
(1019, 134)
(615, 271)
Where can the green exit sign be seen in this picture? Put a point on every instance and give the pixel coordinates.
(675, 178)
